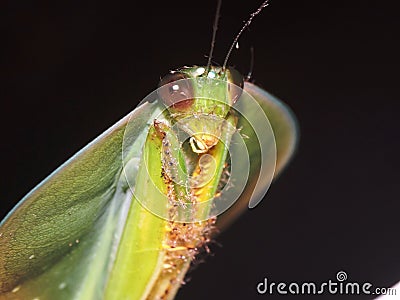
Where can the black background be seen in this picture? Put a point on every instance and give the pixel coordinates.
(70, 70)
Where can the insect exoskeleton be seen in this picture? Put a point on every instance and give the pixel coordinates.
(199, 99)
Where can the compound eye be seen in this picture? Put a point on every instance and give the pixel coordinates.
(176, 91)
(236, 84)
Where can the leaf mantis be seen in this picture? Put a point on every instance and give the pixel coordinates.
(125, 216)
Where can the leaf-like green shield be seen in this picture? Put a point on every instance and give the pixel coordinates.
(82, 234)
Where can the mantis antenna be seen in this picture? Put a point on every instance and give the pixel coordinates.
(247, 24)
(215, 27)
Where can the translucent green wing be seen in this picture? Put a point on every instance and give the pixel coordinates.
(61, 237)
(283, 122)
(286, 134)
(78, 234)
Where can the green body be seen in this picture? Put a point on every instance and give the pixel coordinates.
(83, 234)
